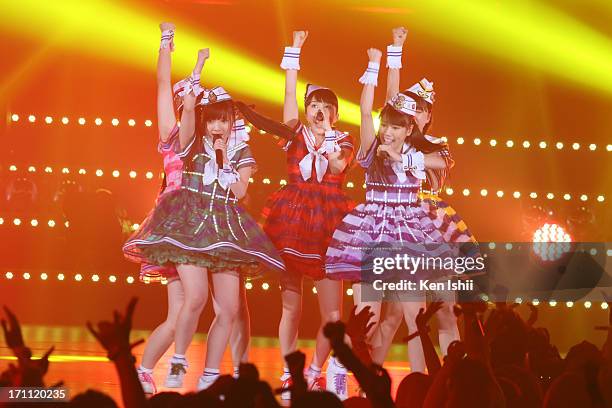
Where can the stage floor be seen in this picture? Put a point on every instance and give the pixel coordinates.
(80, 362)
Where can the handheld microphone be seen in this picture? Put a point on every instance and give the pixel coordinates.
(218, 152)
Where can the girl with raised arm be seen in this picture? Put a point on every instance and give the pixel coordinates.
(301, 217)
(391, 220)
(445, 218)
(168, 105)
(201, 227)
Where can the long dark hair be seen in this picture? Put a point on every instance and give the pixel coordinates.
(230, 111)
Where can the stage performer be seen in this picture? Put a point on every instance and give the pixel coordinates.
(201, 228)
(395, 160)
(163, 335)
(301, 217)
(445, 218)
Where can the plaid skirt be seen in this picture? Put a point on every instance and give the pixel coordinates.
(191, 228)
(300, 219)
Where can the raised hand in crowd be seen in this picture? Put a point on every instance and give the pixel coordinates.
(114, 336)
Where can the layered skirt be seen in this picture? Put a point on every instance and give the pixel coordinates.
(300, 219)
(197, 229)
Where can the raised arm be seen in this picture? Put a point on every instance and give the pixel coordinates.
(291, 64)
(165, 110)
(367, 132)
(187, 129)
(394, 62)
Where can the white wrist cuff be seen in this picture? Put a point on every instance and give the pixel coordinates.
(291, 58)
(394, 56)
(370, 76)
(167, 40)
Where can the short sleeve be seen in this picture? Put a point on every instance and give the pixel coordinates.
(244, 158)
(182, 152)
(366, 158)
(345, 141)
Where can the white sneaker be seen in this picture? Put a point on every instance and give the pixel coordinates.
(176, 374)
(336, 379)
(287, 383)
(206, 381)
(146, 380)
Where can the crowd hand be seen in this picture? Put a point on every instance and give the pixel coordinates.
(374, 55)
(359, 325)
(424, 316)
(221, 386)
(12, 331)
(456, 352)
(387, 151)
(296, 362)
(334, 331)
(115, 336)
(399, 36)
(248, 372)
(299, 37)
(382, 385)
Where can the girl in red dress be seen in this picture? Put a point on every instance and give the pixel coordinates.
(300, 218)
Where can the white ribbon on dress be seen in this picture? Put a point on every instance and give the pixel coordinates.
(226, 176)
(317, 156)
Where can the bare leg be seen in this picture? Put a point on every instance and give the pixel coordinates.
(240, 336)
(415, 348)
(447, 326)
(226, 287)
(375, 307)
(290, 317)
(162, 337)
(383, 337)
(330, 307)
(195, 287)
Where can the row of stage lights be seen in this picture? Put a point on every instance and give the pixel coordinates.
(541, 236)
(527, 144)
(130, 279)
(81, 121)
(35, 223)
(149, 175)
(98, 172)
(51, 223)
(459, 140)
(553, 303)
(264, 286)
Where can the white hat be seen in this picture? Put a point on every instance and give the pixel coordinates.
(424, 89)
(214, 95)
(403, 103)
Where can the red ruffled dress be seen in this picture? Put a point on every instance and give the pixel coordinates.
(301, 217)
